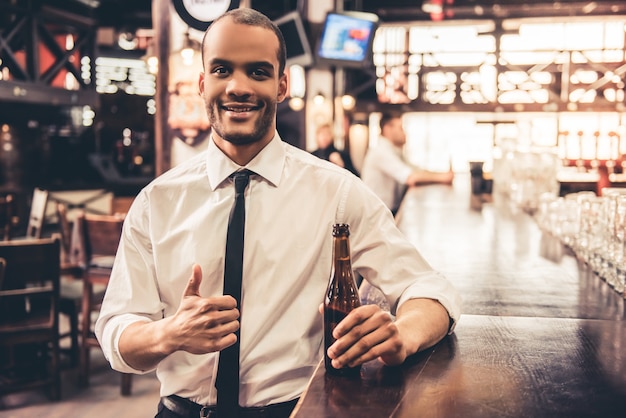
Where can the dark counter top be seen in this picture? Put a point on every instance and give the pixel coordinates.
(540, 335)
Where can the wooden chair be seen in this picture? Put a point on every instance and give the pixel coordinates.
(29, 316)
(9, 221)
(65, 234)
(37, 213)
(101, 238)
(71, 290)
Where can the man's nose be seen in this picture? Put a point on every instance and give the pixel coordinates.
(240, 85)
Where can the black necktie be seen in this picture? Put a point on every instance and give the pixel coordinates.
(227, 381)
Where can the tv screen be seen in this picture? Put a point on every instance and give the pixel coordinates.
(346, 39)
(296, 41)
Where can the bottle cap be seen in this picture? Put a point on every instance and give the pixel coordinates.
(341, 229)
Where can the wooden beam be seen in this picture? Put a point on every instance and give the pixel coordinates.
(161, 20)
(39, 93)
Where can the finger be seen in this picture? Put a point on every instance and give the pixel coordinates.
(384, 342)
(354, 319)
(222, 303)
(193, 285)
(363, 337)
(387, 351)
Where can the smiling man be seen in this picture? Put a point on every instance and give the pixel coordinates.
(241, 84)
(167, 306)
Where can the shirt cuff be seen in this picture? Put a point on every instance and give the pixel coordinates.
(110, 342)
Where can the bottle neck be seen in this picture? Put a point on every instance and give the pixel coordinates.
(342, 290)
(342, 249)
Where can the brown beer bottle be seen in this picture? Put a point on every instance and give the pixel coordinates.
(342, 294)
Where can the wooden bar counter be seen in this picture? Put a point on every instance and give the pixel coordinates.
(540, 336)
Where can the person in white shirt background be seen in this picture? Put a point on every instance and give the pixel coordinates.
(385, 170)
(164, 308)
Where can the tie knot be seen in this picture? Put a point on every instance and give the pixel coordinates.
(241, 179)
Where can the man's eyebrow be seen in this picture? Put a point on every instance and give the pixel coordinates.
(260, 64)
(218, 61)
(253, 64)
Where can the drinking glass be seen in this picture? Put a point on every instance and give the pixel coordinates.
(618, 273)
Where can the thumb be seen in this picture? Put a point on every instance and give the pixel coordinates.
(193, 285)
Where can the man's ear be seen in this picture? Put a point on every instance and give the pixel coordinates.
(201, 83)
(283, 83)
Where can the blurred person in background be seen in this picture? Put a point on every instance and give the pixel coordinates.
(326, 149)
(385, 170)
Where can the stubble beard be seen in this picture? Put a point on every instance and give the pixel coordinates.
(260, 130)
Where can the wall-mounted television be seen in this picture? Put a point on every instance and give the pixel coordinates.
(297, 43)
(346, 39)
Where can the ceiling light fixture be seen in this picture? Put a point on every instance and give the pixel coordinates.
(348, 102)
(432, 6)
(319, 99)
(190, 46)
(436, 9)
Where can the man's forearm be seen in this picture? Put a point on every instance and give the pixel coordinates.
(143, 345)
(422, 323)
(422, 177)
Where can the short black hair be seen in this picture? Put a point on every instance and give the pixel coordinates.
(251, 17)
(385, 118)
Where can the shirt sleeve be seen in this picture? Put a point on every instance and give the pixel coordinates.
(132, 293)
(389, 261)
(392, 164)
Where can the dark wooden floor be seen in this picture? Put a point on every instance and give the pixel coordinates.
(101, 399)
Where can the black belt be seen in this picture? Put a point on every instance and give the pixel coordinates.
(186, 408)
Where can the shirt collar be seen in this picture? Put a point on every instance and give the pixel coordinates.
(268, 163)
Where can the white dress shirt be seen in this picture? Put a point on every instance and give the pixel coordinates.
(385, 172)
(291, 204)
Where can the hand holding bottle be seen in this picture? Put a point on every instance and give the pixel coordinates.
(354, 334)
(366, 333)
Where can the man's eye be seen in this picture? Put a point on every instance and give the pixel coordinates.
(220, 70)
(260, 73)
